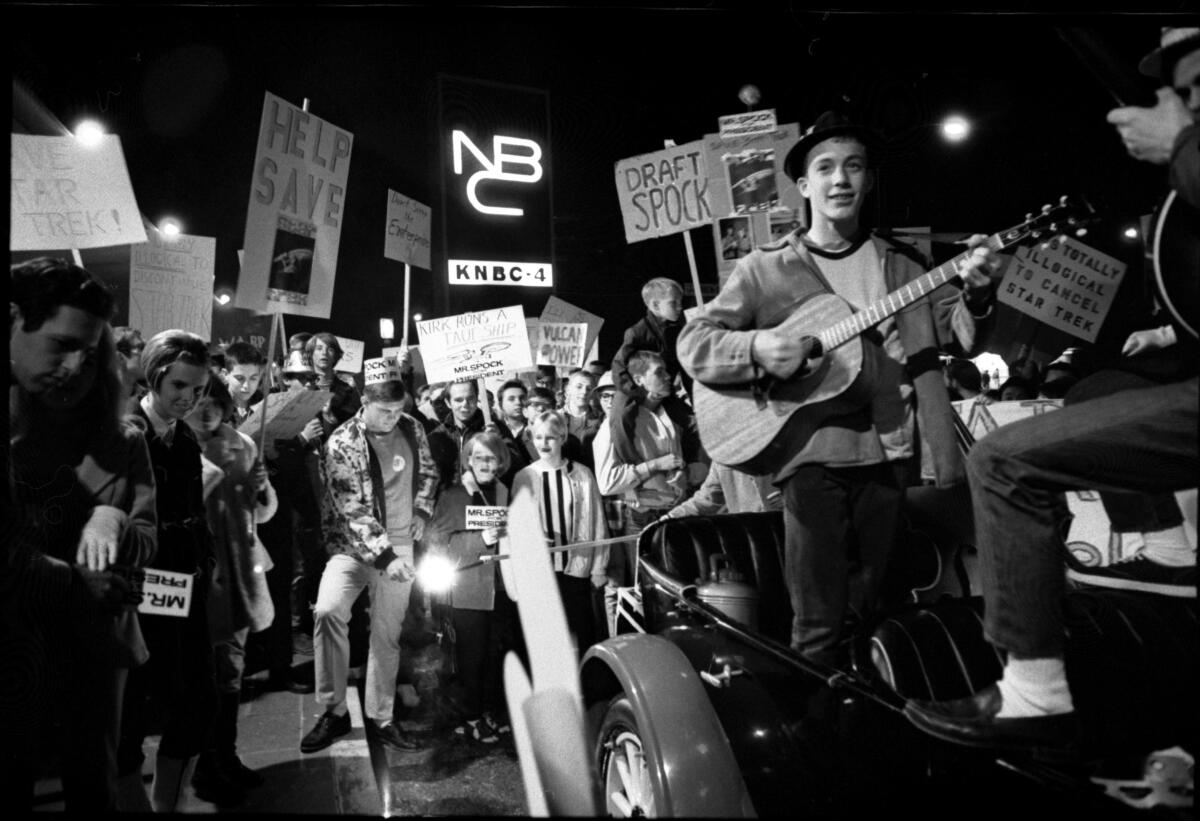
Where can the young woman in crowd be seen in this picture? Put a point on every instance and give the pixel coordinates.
(571, 510)
(179, 674)
(239, 601)
(484, 617)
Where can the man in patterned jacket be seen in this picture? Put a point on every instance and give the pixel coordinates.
(380, 484)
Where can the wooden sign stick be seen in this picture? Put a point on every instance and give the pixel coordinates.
(691, 254)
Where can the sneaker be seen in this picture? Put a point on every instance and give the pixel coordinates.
(1139, 573)
(329, 726)
(476, 730)
(394, 738)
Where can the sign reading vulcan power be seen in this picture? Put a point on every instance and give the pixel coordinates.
(495, 176)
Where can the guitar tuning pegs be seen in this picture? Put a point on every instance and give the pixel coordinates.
(1064, 199)
(1028, 216)
(1046, 209)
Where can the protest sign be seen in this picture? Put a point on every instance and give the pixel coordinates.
(68, 195)
(294, 222)
(481, 517)
(352, 355)
(1063, 283)
(165, 593)
(474, 345)
(559, 310)
(749, 124)
(232, 324)
(171, 284)
(414, 359)
(561, 344)
(287, 413)
(407, 238)
(381, 369)
(663, 192)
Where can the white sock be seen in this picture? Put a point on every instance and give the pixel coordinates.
(338, 710)
(1169, 547)
(1034, 687)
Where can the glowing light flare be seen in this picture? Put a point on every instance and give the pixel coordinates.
(956, 128)
(436, 574)
(89, 133)
(170, 227)
(387, 329)
(1130, 233)
(223, 297)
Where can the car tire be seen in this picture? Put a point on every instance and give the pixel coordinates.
(624, 764)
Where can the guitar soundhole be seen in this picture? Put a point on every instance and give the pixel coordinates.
(814, 356)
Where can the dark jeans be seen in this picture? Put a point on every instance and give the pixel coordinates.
(577, 603)
(482, 637)
(178, 681)
(839, 527)
(1142, 441)
(1127, 512)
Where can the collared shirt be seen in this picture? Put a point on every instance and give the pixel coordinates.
(163, 428)
(654, 435)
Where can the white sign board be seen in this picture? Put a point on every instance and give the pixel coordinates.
(559, 310)
(474, 345)
(489, 272)
(750, 124)
(1063, 283)
(166, 593)
(297, 202)
(287, 413)
(407, 238)
(381, 369)
(664, 192)
(352, 355)
(171, 284)
(562, 344)
(68, 195)
(481, 517)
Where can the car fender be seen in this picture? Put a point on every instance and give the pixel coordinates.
(694, 765)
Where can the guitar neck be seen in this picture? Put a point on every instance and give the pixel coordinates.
(901, 298)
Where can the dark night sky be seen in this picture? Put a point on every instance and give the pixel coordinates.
(183, 87)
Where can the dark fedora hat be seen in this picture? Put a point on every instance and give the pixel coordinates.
(829, 124)
(1175, 43)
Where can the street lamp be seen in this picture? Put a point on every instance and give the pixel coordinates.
(956, 128)
(89, 133)
(170, 227)
(387, 329)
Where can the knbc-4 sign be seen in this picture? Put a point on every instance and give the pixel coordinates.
(482, 272)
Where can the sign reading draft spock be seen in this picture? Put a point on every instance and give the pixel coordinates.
(68, 195)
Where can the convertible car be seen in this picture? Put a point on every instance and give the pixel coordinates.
(699, 708)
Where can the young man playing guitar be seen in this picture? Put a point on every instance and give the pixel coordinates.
(1141, 441)
(841, 467)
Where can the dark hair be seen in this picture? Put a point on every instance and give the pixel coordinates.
(389, 391)
(545, 394)
(509, 385)
(965, 373)
(166, 348)
(330, 341)
(219, 395)
(41, 286)
(1019, 382)
(491, 441)
(639, 362)
(243, 353)
(298, 341)
(127, 339)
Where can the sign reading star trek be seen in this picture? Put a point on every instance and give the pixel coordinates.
(495, 189)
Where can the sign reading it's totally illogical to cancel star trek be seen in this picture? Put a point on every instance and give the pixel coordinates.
(1063, 283)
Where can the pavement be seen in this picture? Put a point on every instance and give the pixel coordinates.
(356, 775)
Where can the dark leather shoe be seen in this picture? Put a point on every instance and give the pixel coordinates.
(394, 738)
(972, 721)
(328, 727)
(239, 773)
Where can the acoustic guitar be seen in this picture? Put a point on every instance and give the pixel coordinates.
(755, 427)
(1174, 240)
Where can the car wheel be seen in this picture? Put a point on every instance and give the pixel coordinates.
(623, 763)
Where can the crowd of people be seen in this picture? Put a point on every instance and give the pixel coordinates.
(135, 458)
